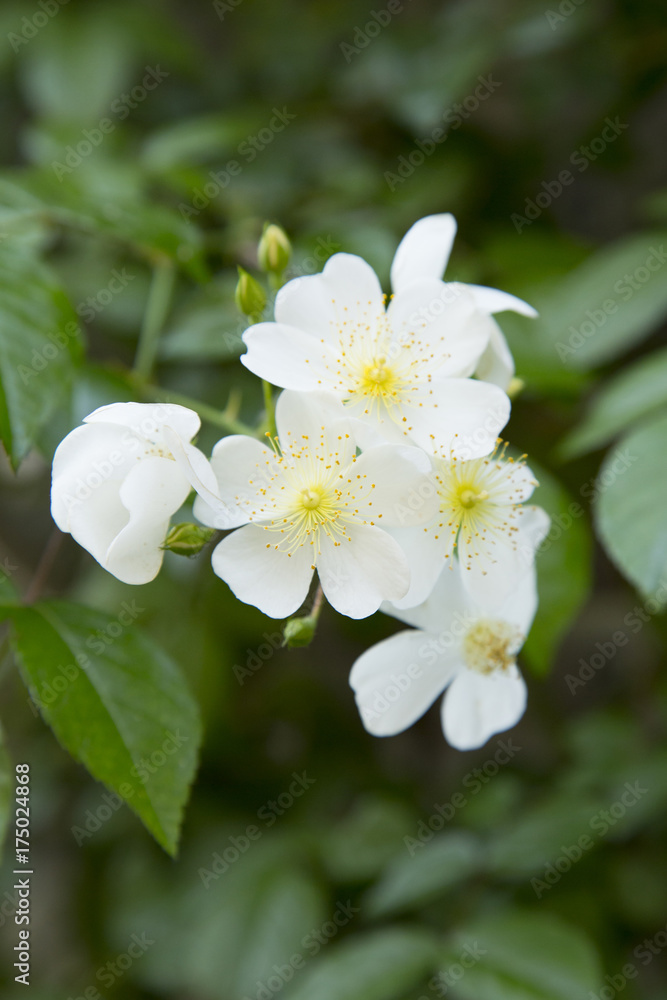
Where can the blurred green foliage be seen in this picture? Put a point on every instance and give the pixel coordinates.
(142, 136)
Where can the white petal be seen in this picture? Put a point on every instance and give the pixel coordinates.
(492, 300)
(236, 460)
(318, 418)
(368, 432)
(496, 364)
(288, 357)
(358, 574)
(495, 570)
(424, 250)
(512, 483)
(97, 520)
(353, 287)
(396, 681)
(305, 303)
(520, 607)
(443, 321)
(507, 482)
(446, 612)
(478, 705)
(426, 559)
(200, 475)
(373, 428)
(148, 419)
(347, 291)
(272, 580)
(403, 492)
(535, 526)
(458, 417)
(87, 457)
(152, 492)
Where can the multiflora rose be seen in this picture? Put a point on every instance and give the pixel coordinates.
(311, 503)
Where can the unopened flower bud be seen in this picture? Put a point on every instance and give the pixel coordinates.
(250, 296)
(188, 539)
(299, 632)
(274, 250)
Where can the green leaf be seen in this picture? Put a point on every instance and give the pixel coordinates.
(376, 966)
(632, 394)
(154, 229)
(254, 924)
(237, 918)
(534, 359)
(436, 867)
(360, 845)
(116, 702)
(194, 140)
(8, 592)
(563, 570)
(108, 198)
(40, 344)
(7, 785)
(526, 845)
(607, 305)
(75, 70)
(280, 916)
(522, 956)
(94, 387)
(207, 328)
(630, 509)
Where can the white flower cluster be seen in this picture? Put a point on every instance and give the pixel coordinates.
(387, 478)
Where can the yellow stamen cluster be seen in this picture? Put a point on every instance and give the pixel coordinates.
(374, 368)
(479, 503)
(490, 646)
(306, 489)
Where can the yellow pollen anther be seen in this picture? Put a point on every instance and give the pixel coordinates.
(490, 646)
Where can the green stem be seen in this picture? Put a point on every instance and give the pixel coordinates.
(300, 632)
(276, 280)
(219, 418)
(6, 658)
(317, 604)
(157, 307)
(270, 409)
(44, 567)
(66, 219)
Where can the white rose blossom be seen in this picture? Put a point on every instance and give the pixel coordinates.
(118, 479)
(401, 370)
(483, 517)
(311, 503)
(424, 252)
(458, 645)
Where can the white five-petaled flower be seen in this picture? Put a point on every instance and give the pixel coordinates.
(424, 251)
(481, 517)
(458, 644)
(401, 370)
(118, 479)
(311, 504)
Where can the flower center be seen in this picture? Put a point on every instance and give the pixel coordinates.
(469, 497)
(307, 491)
(377, 380)
(314, 506)
(490, 646)
(311, 499)
(377, 372)
(480, 504)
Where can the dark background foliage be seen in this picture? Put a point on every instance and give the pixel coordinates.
(345, 174)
